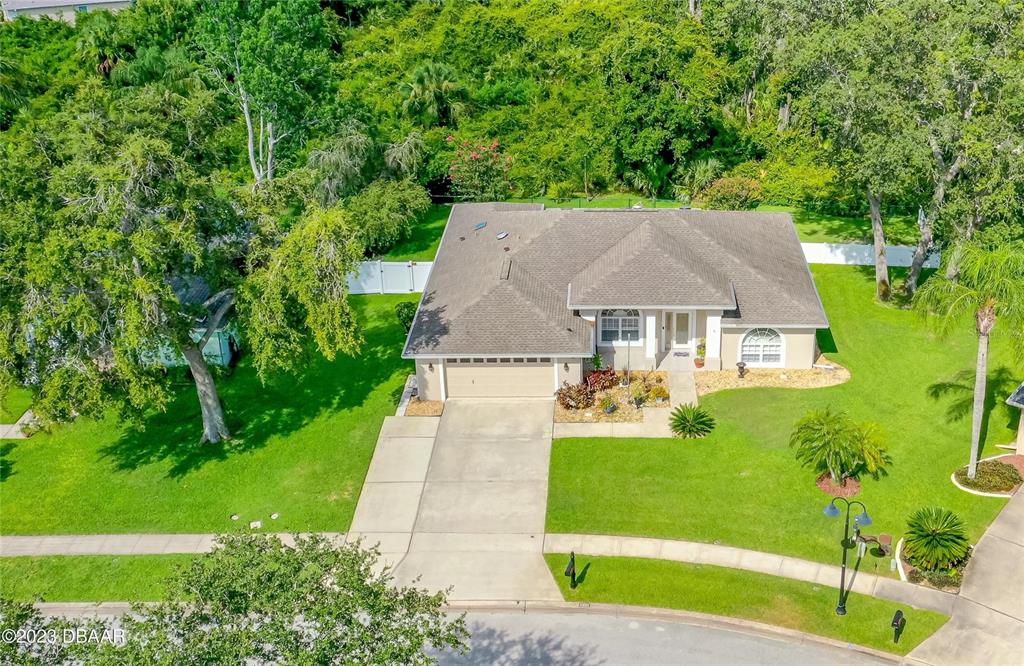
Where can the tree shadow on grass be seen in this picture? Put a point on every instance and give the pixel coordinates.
(6, 465)
(258, 412)
(958, 394)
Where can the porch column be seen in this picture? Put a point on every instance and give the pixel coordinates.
(1020, 434)
(651, 334)
(713, 339)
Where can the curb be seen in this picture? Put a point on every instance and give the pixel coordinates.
(693, 618)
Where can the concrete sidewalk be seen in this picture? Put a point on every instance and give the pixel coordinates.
(987, 627)
(14, 430)
(749, 560)
(120, 544)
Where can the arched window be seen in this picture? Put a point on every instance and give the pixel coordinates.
(620, 326)
(761, 346)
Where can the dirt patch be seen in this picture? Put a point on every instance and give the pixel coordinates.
(417, 407)
(720, 380)
(625, 409)
(848, 488)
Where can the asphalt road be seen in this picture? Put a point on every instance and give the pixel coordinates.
(577, 639)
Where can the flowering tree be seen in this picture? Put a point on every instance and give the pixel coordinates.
(479, 172)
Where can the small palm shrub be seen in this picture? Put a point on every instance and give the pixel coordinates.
(691, 421)
(936, 539)
(833, 443)
(992, 476)
(574, 396)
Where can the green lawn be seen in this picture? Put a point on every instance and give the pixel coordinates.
(87, 577)
(821, 228)
(720, 591)
(302, 446)
(14, 403)
(426, 236)
(742, 486)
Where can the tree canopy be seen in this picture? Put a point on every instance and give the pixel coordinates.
(180, 148)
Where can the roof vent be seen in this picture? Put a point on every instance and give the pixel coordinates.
(506, 269)
(479, 226)
(503, 235)
(462, 238)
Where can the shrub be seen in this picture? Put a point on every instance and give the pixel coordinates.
(384, 212)
(833, 443)
(601, 380)
(597, 361)
(939, 579)
(936, 539)
(691, 421)
(608, 403)
(639, 393)
(732, 193)
(480, 172)
(992, 477)
(574, 396)
(659, 392)
(405, 312)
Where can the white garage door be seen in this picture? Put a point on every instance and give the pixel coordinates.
(500, 378)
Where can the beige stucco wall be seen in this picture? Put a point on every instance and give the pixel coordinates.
(574, 373)
(428, 381)
(617, 357)
(799, 347)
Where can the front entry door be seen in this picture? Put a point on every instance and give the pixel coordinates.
(680, 329)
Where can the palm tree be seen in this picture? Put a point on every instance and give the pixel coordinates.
(989, 286)
(11, 95)
(434, 95)
(650, 178)
(695, 177)
(833, 443)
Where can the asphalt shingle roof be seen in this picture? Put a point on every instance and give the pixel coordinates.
(516, 294)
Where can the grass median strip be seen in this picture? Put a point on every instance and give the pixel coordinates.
(88, 577)
(741, 594)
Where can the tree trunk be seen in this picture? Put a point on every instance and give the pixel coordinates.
(784, 110)
(980, 375)
(924, 246)
(882, 287)
(250, 136)
(696, 11)
(214, 427)
(953, 266)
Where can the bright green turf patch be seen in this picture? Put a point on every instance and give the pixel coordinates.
(302, 446)
(742, 485)
(88, 577)
(823, 228)
(14, 403)
(733, 593)
(426, 236)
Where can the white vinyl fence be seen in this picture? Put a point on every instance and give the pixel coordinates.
(406, 277)
(390, 277)
(855, 254)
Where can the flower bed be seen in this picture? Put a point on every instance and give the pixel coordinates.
(621, 397)
(720, 380)
(995, 475)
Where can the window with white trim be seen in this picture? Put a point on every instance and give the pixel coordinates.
(761, 346)
(620, 326)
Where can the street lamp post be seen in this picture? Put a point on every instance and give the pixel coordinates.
(862, 520)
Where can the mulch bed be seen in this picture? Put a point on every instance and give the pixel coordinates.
(1015, 460)
(626, 411)
(417, 407)
(720, 380)
(849, 487)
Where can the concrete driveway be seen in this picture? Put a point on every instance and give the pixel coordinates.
(480, 524)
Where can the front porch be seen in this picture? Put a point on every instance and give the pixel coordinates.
(665, 339)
